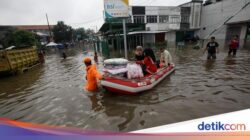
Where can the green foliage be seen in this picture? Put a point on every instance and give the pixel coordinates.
(80, 34)
(62, 32)
(20, 38)
(90, 32)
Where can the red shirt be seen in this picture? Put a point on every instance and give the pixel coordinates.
(234, 44)
(150, 65)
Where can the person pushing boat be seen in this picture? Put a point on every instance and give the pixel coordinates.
(92, 75)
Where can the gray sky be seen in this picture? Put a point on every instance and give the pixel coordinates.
(77, 13)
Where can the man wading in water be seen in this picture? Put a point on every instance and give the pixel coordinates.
(92, 75)
(212, 49)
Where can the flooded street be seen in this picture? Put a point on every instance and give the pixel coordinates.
(53, 94)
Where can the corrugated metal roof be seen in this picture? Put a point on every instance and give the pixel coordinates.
(33, 27)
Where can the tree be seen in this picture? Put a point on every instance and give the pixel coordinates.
(80, 34)
(90, 32)
(62, 32)
(20, 38)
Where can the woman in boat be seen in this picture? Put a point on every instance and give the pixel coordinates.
(150, 53)
(149, 63)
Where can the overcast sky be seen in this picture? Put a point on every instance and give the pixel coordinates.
(77, 13)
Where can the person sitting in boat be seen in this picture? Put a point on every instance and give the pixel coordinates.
(139, 56)
(91, 75)
(166, 58)
(150, 65)
(150, 53)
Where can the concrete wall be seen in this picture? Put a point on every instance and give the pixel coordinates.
(158, 10)
(195, 14)
(170, 37)
(243, 35)
(214, 15)
(162, 26)
(148, 38)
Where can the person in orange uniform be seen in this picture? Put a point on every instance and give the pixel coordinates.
(92, 75)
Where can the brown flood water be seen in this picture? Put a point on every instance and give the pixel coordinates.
(53, 94)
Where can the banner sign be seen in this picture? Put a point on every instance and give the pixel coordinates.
(116, 8)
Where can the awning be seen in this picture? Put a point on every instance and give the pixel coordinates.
(41, 34)
(146, 32)
(51, 44)
(10, 48)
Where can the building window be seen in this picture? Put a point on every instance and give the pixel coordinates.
(139, 19)
(185, 19)
(151, 19)
(128, 20)
(175, 19)
(163, 19)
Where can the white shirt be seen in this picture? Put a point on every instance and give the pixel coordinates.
(166, 56)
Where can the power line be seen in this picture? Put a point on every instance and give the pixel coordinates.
(88, 21)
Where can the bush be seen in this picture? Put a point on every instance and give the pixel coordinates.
(20, 38)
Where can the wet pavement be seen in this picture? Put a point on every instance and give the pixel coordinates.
(53, 94)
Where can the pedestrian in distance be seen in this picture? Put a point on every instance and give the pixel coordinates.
(92, 75)
(64, 55)
(212, 48)
(41, 57)
(234, 45)
(96, 57)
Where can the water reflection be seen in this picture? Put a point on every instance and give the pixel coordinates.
(230, 60)
(16, 85)
(209, 65)
(96, 102)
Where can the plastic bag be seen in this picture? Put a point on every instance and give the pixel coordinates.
(116, 61)
(134, 71)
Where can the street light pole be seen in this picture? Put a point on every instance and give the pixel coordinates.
(125, 38)
(49, 26)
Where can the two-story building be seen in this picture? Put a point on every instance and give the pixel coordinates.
(158, 21)
(162, 24)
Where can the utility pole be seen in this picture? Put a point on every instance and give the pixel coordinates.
(125, 38)
(49, 26)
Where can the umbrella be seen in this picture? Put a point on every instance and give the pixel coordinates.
(51, 44)
(41, 34)
(60, 46)
(10, 48)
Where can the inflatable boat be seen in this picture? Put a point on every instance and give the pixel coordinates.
(134, 86)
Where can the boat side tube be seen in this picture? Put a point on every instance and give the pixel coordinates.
(133, 87)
